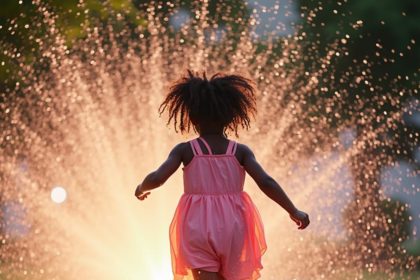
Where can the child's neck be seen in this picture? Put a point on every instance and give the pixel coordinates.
(211, 129)
(211, 134)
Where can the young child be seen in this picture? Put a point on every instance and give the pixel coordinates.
(216, 232)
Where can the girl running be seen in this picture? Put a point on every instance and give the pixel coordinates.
(216, 232)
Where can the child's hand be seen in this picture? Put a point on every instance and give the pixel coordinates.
(300, 218)
(141, 195)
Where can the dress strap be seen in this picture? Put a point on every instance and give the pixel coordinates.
(195, 147)
(235, 145)
(231, 149)
(206, 144)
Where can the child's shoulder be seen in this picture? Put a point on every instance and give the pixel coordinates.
(178, 149)
(243, 147)
(181, 147)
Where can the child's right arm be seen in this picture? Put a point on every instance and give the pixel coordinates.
(271, 188)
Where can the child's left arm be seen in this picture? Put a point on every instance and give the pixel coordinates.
(158, 177)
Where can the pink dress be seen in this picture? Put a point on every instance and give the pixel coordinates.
(216, 226)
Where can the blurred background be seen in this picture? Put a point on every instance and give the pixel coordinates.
(338, 126)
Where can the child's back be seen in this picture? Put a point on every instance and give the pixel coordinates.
(216, 232)
(216, 218)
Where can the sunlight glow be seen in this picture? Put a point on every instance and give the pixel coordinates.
(58, 195)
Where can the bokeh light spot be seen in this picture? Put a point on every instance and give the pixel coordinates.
(58, 195)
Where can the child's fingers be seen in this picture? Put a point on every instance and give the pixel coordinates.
(143, 195)
(299, 223)
(305, 223)
(295, 220)
(302, 222)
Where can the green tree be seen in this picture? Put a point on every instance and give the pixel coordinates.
(375, 73)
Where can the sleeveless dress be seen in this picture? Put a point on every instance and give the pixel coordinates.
(216, 226)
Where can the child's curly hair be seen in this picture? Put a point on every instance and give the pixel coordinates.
(225, 99)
